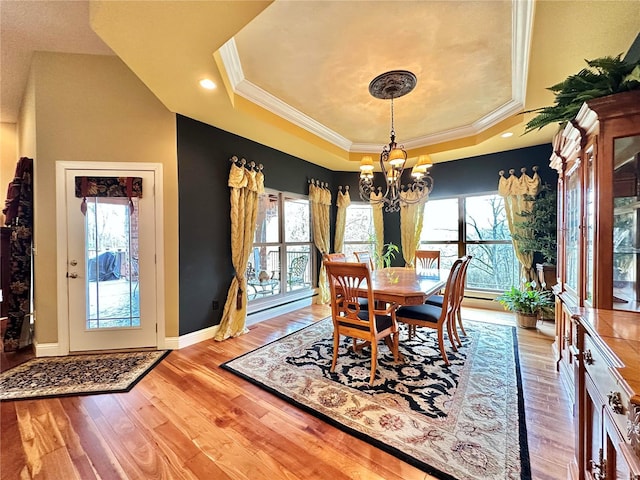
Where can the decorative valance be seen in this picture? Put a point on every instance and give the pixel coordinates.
(108, 187)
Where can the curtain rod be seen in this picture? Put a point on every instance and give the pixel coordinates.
(522, 170)
(318, 183)
(243, 163)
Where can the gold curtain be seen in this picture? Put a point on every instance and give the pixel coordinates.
(378, 225)
(411, 219)
(342, 202)
(514, 190)
(320, 199)
(246, 184)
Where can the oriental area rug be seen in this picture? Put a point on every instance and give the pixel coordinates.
(77, 375)
(463, 421)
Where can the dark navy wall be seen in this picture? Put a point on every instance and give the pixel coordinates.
(204, 225)
(474, 175)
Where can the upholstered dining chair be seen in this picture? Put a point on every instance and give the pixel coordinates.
(365, 257)
(437, 300)
(427, 259)
(435, 317)
(346, 281)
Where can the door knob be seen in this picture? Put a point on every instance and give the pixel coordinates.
(73, 263)
(72, 275)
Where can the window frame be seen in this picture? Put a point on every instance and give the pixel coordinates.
(462, 242)
(371, 244)
(284, 294)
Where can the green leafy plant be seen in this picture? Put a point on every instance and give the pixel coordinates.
(389, 251)
(541, 221)
(604, 76)
(526, 300)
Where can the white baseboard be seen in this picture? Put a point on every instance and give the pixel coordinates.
(183, 341)
(48, 350)
(271, 312)
(176, 343)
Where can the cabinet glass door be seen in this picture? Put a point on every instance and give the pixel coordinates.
(589, 225)
(626, 241)
(572, 235)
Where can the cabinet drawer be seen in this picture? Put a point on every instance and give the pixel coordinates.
(612, 394)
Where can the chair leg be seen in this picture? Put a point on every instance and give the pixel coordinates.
(374, 361)
(450, 329)
(441, 345)
(411, 330)
(336, 345)
(392, 341)
(459, 315)
(454, 330)
(396, 346)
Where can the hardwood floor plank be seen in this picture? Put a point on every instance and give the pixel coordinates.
(190, 419)
(12, 454)
(42, 440)
(93, 444)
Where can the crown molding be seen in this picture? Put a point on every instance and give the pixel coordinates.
(522, 18)
(255, 94)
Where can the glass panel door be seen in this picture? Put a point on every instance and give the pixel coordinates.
(572, 236)
(111, 254)
(626, 223)
(111, 267)
(589, 225)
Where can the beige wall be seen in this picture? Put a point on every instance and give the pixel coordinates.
(8, 158)
(93, 108)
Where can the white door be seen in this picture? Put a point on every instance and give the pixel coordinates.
(111, 269)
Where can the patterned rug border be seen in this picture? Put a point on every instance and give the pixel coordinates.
(524, 445)
(128, 388)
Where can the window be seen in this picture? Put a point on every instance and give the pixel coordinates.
(477, 226)
(358, 231)
(282, 260)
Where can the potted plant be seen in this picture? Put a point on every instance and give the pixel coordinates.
(526, 302)
(605, 76)
(541, 221)
(389, 253)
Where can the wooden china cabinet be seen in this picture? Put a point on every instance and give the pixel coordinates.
(597, 346)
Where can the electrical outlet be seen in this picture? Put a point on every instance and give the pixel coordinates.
(216, 305)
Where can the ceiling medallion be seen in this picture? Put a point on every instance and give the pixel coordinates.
(387, 86)
(393, 84)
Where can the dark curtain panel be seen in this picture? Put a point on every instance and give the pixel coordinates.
(19, 218)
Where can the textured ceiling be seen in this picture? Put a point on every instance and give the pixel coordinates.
(293, 75)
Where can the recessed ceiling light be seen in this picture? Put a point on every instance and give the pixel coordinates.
(507, 134)
(208, 84)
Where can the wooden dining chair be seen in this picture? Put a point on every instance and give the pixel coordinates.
(435, 317)
(334, 257)
(346, 279)
(427, 259)
(437, 300)
(365, 257)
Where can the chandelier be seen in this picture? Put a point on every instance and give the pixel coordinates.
(393, 158)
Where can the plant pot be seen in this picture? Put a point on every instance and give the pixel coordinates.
(546, 275)
(527, 320)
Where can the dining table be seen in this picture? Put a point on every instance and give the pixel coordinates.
(406, 285)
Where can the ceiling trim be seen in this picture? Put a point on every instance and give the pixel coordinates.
(255, 94)
(522, 25)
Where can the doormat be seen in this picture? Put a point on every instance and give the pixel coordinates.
(72, 375)
(460, 421)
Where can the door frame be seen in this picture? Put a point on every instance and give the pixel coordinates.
(61, 239)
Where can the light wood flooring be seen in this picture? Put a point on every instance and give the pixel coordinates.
(190, 419)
